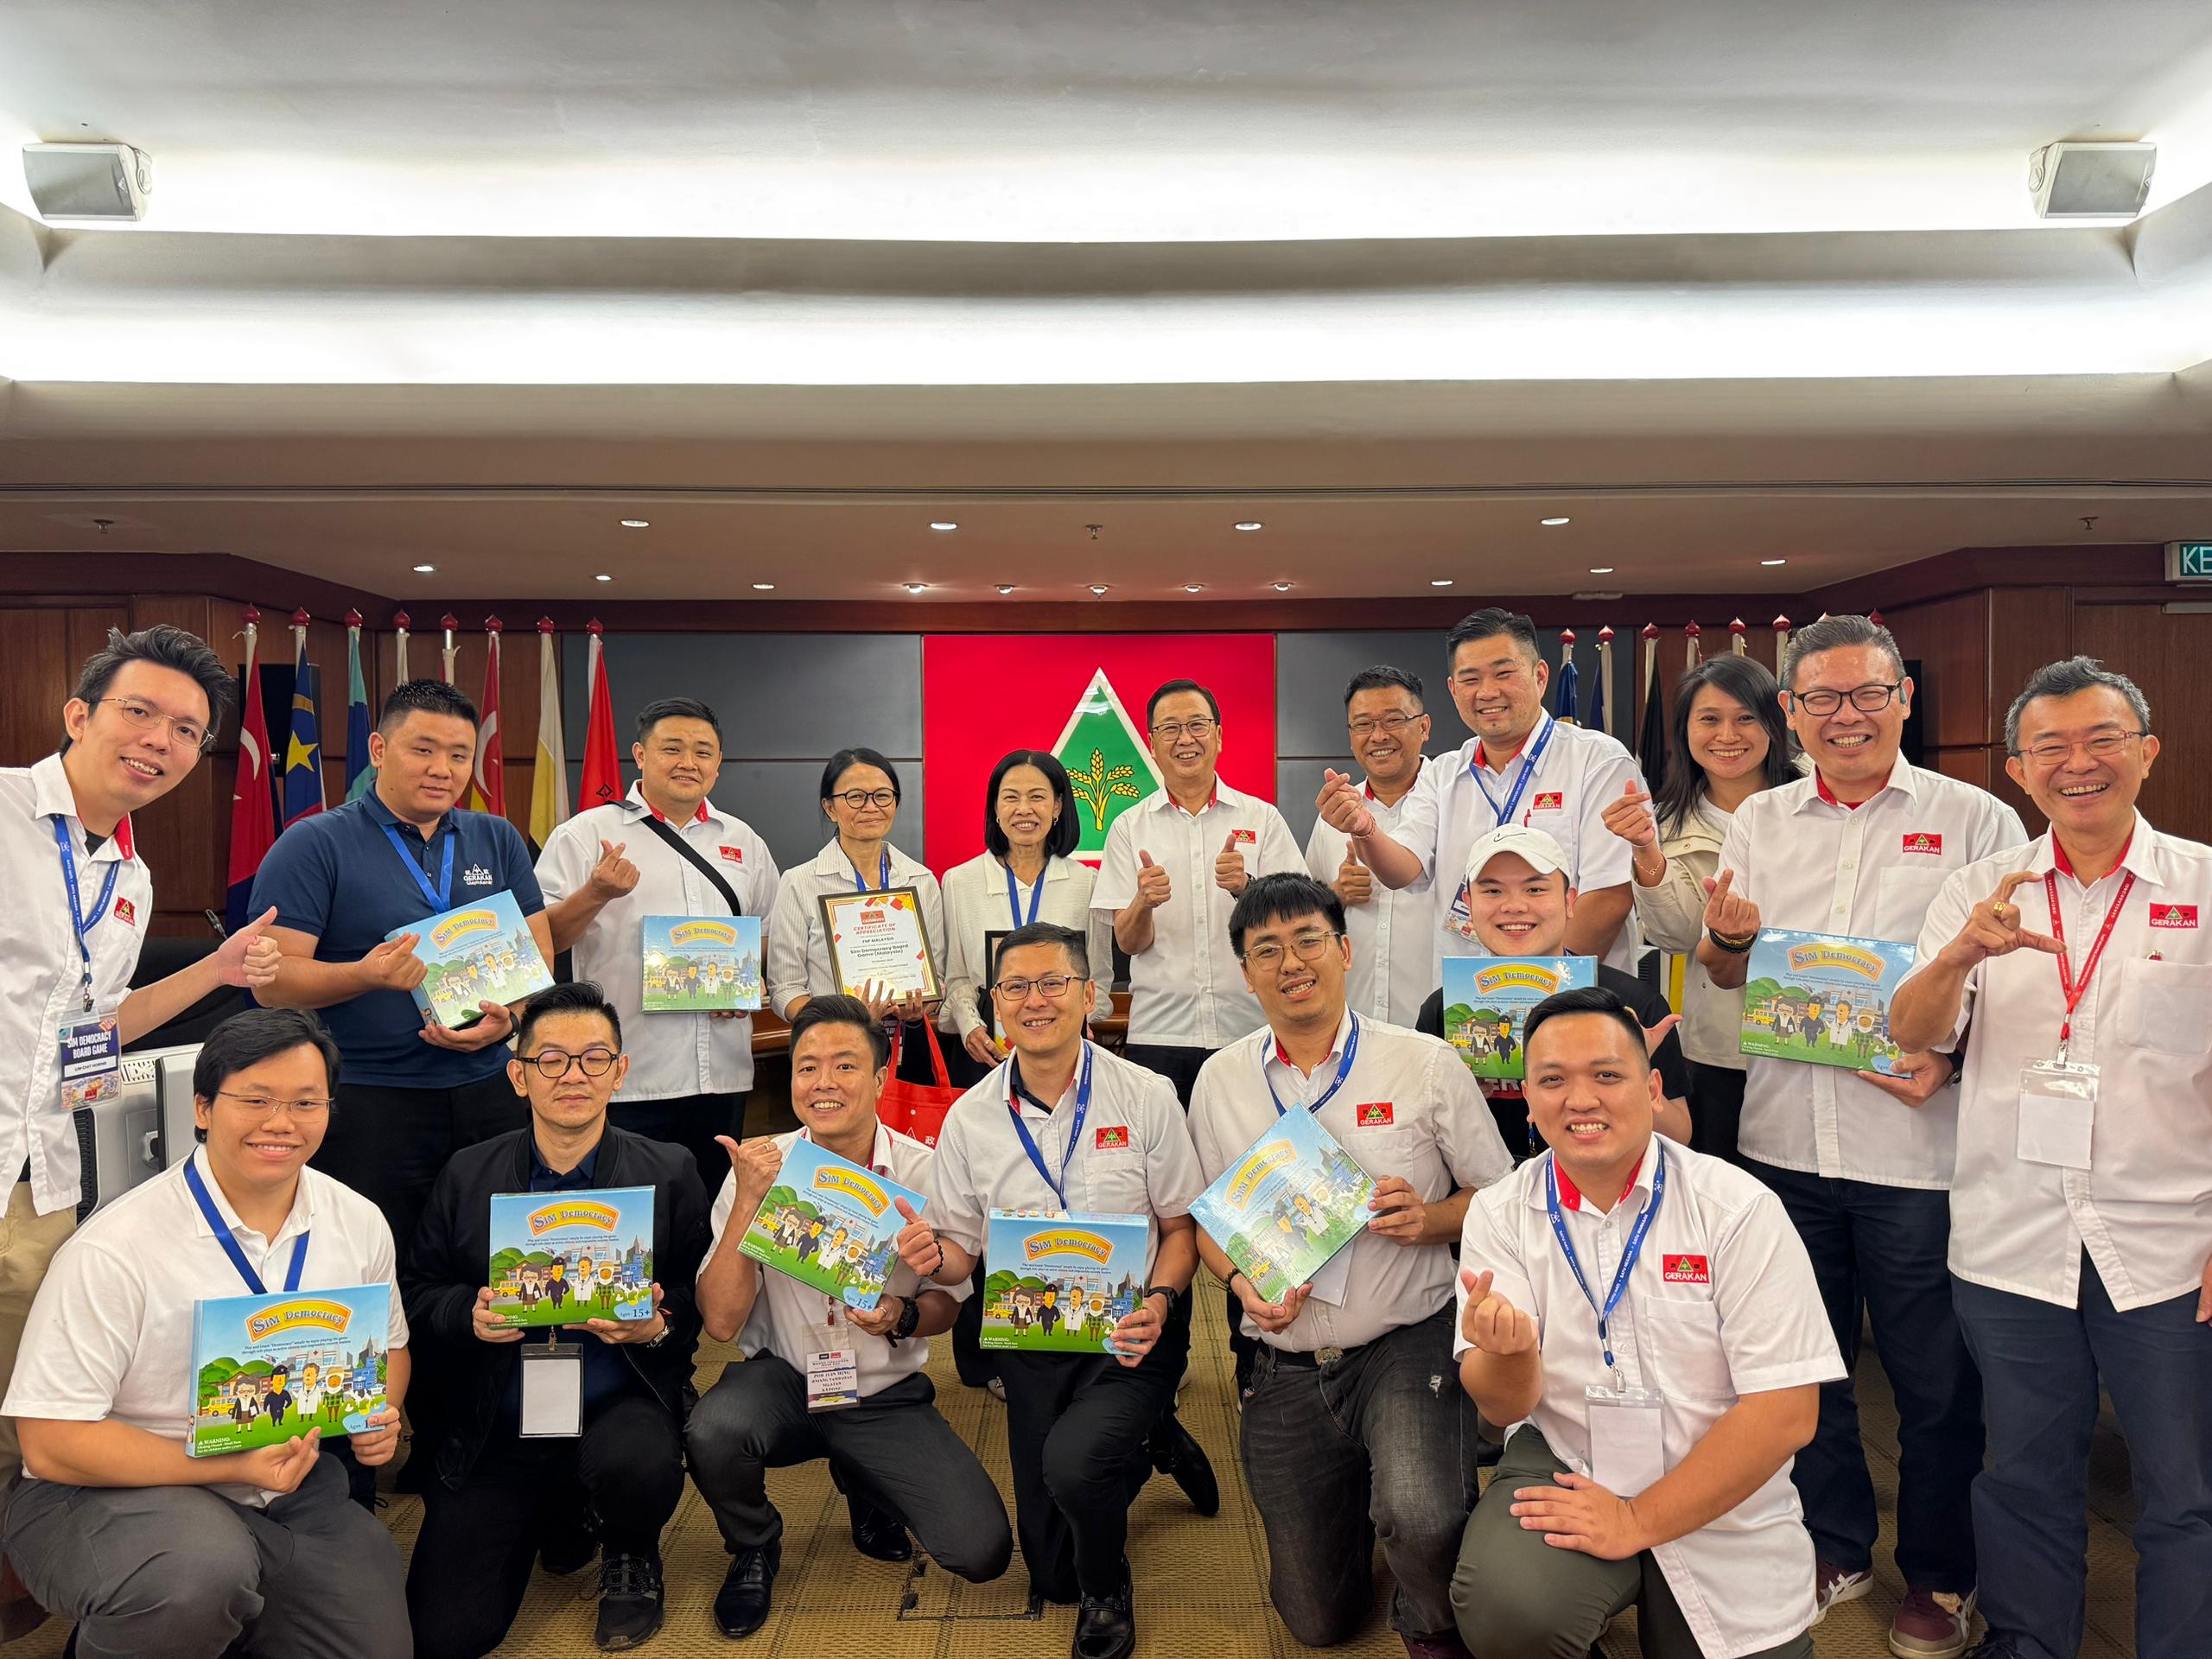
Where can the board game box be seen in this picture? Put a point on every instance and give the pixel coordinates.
(562, 1258)
(830, 1223)
(701, 964)
(475, 953)
(1060, 1284)
(267, 1369)
(1286, 1204)
(1486, 1002)
(1823, 998)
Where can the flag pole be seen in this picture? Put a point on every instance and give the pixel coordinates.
(1692, 653)
(1604, 679)
(1736, 637)
(1780, 643)
(449, 622)
(399, 648)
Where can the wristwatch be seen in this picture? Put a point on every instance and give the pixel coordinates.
(1169, 1291)
(910, 1315)
(1733, 947)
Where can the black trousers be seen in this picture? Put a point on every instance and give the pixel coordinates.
(690, 1121)
(1078, 1430)
(388, 1144)
(1716, 1109)
(472, 1558)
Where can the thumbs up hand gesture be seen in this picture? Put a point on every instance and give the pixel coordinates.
(613, 875)
(1355, 882)
(1151, 882)
(1229, 867)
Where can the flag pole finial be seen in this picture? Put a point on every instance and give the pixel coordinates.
(595, 627)
(300, 618)
(1652, 631)
(545, 625)
(353, 619)
(252, 614)
(493, 625)
(449, 621)
(400, 619)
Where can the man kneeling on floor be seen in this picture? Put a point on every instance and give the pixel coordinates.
(616, 1445)
(784, 1404)
(1650, 1313)
(153, 1552)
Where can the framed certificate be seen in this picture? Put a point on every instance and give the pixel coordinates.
(879, 937)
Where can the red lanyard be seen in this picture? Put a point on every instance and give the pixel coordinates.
(2068, 987)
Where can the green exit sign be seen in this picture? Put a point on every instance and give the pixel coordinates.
(2188, 561)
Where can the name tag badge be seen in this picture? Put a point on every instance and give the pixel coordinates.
(91, 1060)
(2058, 1109)
(1627, 1450)
(552, 1390)
(1328, 1284)
(832, 1378)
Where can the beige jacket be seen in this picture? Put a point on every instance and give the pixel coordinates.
(1672, 916)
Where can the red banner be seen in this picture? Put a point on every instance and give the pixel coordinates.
(1069, 694)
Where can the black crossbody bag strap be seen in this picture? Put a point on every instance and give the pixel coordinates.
(685, 849)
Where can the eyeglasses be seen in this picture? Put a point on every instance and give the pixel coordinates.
(1867, 699)
(142, 717)
(263, 1106)
(1174, 730)
(882, 800)
(1055, 986)
(2103, 747)
(1310, 946)
(554, 1064)
(1364, 727)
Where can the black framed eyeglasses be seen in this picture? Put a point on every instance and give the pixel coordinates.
(554, 1063)
(882, 800)
(1054, 986)
(1867, 699)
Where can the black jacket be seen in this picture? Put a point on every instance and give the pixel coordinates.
(453, 1254)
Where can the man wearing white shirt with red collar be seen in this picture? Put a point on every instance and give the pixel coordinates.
(1522, 767)
(2082, 1210)
(1863, 1162)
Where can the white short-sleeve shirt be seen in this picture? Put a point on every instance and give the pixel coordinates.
(1721, 1303)
(792, 1320)
(798, 950)
(1815, 865)
(109, 1335)
(1186, 989)
(1579, 771)
(1408, 1108)
(977, 905)
(672, 1055)
(1393, 935)
(1135, 1157)
(2143, 1209)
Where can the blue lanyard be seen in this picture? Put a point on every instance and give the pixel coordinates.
(1075, 1129)
(1013, 902)
(82, 923)
(1343, 1071)
(231, 1244)
(882, 882)
(440, 897)
(1530, 758)
(1635, 1247)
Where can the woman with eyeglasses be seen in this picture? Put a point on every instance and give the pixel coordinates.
(1029, 828)
(859, 797)
(1728, 742)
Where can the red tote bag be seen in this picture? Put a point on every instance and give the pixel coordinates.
(918, 1109)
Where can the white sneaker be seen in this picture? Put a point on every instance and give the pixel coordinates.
(1834, 1585)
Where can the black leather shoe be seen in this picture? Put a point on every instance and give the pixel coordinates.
(1177, 1454)
(1106, 1626)
(630, 1605)
(742, 1604)
(878, 1533)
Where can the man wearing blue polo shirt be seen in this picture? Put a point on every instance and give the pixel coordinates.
(414, 1092)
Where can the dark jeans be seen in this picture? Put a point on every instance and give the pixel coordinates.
(690, 1121)
(1379, 1445)
(473, 1557)
(2040, 1366)
(1078, 1430)
(388, 1144)
(893, 1449)
(1878, 1254)
(1716, 1109)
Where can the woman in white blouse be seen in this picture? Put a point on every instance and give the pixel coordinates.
(1029, 827)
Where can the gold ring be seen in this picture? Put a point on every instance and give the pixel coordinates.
(2001, 911)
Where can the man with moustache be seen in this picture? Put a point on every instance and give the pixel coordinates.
(1521, 767)
(892, 1444)
(664, 850)
(1863, 1161)
(1342, 1438)
(1392, 931)
(2081, 1248)
(1649, 1318)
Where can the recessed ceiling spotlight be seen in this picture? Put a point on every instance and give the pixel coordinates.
(1282, 586)
(1251, 523)
(1554, 523)
(1194, 587)
(424, 569)
(1774, 561)
(1439, 582)
(1097, 587)
(764, 587)
(1601, 569)
(943, 523)
(916, 587)
(1006, 586)
(602, 576)
(636, 523)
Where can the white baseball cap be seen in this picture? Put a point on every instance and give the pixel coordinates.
(1542, 853)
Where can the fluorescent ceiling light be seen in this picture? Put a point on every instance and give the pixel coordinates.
(764, 587)
(1251, 523)
(1601, 569)
(636, 523)
(1439, 582)
(944, 524)
(1552, 523)
(424, 569)
(1774, 561)
(602, 576)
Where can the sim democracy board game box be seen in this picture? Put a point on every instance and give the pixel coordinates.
(475, 953)
(1486, 1003)
(1286, 1204)
(1061, 1283)
(701, 964)
(562, 1258)
(830, 1223)
(266, 1369)
(1823, 998)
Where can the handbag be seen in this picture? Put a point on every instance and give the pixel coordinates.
(917, 1110)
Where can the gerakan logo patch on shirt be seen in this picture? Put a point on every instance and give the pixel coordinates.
(1112, 1139)
(1549, 800)
(1374, 1114)
(1923, 841)
(1687, 1270)
(127, 914)
(2173, 915)
(476, 875)
(1245, 834)
(735, 854)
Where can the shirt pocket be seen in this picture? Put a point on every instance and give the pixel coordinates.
(1907, 895)
(1683, 1355)
(1114, 1180)
(2170, 1004)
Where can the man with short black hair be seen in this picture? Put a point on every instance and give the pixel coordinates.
(1521, 767)
(340, 881)
(497, 1496)
(1392, 929)
(664, 850)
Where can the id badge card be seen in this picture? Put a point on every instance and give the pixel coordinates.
(1627, 1451)
(2058, 1109)
(552, 1390)
(1328, 1284)
(832, 1378)
(91, 1059)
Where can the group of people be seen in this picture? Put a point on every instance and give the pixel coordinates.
(1646, 1266)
